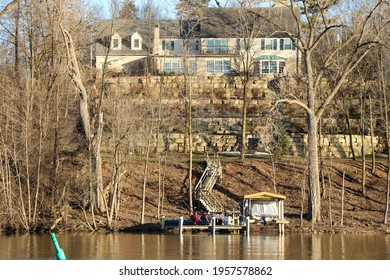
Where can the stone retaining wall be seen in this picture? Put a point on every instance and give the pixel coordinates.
(212, 87)
(220, 98)
(337, 146)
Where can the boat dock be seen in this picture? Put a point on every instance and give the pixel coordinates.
(212, 228)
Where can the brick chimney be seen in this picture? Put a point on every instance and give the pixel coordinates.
(156, 39)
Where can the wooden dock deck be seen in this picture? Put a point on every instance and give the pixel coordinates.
(218, 227)
(182, 226)
(213, 227)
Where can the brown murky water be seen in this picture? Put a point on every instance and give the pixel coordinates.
(126, 246)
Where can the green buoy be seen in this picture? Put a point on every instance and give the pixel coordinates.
(60, 254)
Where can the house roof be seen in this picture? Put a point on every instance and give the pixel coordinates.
(125, 28)
(265, 196)
(240, 22)
(213, 23)
(269, 57)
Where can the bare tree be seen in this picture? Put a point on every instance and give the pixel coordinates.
(248, 27)
(384, 90)
(149, 10)
(190, 18)
(362, 135)
(354, 42)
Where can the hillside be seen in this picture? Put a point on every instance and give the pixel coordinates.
(250, 176)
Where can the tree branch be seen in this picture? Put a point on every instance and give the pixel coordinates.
(9, 7)
(294, 102)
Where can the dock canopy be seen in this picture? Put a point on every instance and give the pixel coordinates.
(265, 196)
(263, 205)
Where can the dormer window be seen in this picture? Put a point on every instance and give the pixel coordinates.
(116, 42)
(136, 41)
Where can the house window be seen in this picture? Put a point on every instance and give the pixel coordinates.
(271, 66)
(136, 43)
(269, 44)
(173, 66)
(218, 66)
(177, 66)
(116, 43)
(168, 45)
(282, 65)
(192, 67)
(217, 46)
(286, 44)
(264, 67)
(256, 67)
(194, 45)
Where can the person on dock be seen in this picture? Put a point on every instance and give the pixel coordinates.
(195, 218)
(208, 218)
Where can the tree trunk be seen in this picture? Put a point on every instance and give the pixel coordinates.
(342, 199)
(350, 136)
(372, 135)
(97, 166)
(330, 198)
(146, 173)
(362, 121)
(314, 210)
(190, 144)
(321, 153)
(93, 139)
(385, 107)
(273, 172)
(244, 120)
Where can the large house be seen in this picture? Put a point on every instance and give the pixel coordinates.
(221, 41)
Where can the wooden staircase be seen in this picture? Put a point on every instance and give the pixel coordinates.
(203, 189)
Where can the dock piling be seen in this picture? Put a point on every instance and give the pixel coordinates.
(181, 223)
(247, 226)
(213, 222)
(162, 223)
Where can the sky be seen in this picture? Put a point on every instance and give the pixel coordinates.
(167, 6)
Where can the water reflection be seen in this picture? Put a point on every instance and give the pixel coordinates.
(201, 246)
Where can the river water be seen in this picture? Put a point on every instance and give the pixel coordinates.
(130, 246)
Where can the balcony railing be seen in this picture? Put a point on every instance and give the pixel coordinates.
(218, 50)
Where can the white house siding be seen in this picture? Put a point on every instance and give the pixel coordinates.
(177, 50)
(225, 50)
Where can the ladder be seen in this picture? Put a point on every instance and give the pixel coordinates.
(205, 185)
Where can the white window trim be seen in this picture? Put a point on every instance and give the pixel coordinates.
(136, 36)
(224, 65)
(113, 38)
(167, 67)
(258, 70)
(212, 48)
